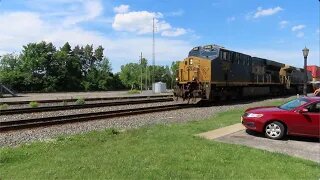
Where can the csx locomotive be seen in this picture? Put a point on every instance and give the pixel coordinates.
(213, 72)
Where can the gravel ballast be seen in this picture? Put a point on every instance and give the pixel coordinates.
(78, 111)
(13, 138)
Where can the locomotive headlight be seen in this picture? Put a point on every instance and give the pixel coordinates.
(191, 61)
(177, 79)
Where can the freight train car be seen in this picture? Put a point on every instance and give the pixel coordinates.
(213, 72)
(315, 72)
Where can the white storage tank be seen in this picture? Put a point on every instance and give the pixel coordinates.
(159, 87)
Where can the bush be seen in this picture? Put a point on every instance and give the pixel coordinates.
(4, 106)
(134, 91)
(64, 103)
(80, 101)
(34, 104)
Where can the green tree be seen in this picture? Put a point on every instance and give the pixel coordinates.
(98, 54)
(98, 75)
(130, 75)
(116, 82)
(73, 75)
(11, 73)
(173, 72)
(37, 59)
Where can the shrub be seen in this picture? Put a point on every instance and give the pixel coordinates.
(80, 101)
(34, 104)
(134, 91)
(4, 106)
(64, 103)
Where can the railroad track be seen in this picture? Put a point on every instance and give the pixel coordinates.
(83, 106)
(87, 99)
(46, 121)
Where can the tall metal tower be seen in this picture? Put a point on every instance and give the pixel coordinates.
(153, 53)
(141, 68)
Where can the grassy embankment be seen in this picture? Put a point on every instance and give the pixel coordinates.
(156, 152)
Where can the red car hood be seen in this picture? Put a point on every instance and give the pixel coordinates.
(264, 109)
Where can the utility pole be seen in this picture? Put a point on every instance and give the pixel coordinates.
(146, 74)
(141, 70)
(153, 53)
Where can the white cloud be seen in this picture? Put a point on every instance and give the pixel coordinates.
(89, 10)
(140, 22)
(266, 12)
(300, 35)
(167, 50)
(283, 24)
(298, 27)
(121, 9)
(174, 32)
(67, 12)
(230, 19)
(19, 28)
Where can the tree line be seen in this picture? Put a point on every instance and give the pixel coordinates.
(41, 67)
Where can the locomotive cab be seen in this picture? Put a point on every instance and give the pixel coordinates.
(192, 75)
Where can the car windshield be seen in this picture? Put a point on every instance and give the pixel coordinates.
(294, 104)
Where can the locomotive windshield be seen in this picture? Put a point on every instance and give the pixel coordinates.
(208, 52)
(195, 52)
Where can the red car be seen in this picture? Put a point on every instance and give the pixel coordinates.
(297, 117)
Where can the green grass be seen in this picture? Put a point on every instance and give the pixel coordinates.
(4, 106)
(154, 152)
(134, 91)
(80, 101)
(33, 104)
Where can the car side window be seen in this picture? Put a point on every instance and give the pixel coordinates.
(314, 108)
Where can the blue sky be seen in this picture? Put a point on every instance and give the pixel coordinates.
(273, 29)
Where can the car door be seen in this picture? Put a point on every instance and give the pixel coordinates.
(296, 122)
(304, 123)
(313, 118)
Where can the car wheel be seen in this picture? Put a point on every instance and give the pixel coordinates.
(274, 130)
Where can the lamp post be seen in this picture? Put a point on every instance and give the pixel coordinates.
(305, 55)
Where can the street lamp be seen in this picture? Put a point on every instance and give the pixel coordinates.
(305, 51)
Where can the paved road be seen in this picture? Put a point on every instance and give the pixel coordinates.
(306, 148)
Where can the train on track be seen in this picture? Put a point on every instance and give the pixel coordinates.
(214, 73)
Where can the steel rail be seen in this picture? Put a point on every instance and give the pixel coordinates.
(86, 99)
(83, 106)
(37, 122)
